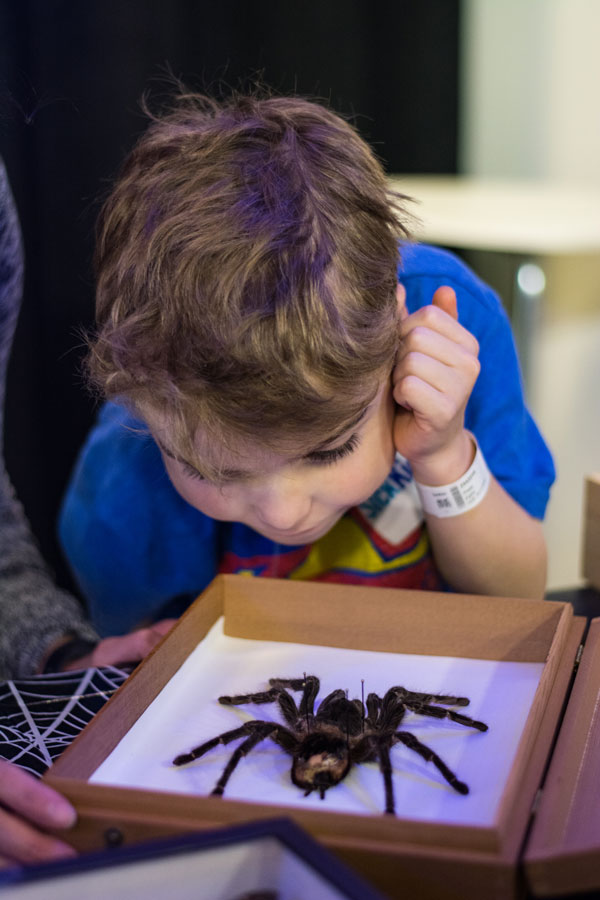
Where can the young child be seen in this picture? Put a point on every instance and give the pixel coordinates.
(296, 390)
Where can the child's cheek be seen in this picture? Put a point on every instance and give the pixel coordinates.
(208, 499)
(200, 494)
(354, 483)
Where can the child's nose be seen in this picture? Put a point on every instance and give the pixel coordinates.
(283, 507)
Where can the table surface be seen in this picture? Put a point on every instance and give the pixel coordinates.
(525, 216)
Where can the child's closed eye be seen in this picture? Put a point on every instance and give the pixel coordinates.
(315, 457)
(326, 457)
(191, 472)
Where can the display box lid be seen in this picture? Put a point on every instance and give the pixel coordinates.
(271, 859)
(563, 851)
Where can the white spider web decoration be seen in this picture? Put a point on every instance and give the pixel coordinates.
(41, 715)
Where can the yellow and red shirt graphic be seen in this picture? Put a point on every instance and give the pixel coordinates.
(382, 542)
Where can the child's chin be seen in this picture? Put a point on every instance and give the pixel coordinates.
(292, 539)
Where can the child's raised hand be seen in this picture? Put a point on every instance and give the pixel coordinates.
(436, 368)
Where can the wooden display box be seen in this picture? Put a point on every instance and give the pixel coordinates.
(401, 857)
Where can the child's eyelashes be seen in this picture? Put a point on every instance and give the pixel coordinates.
(317, 458)
(191, 472)
(325, 457)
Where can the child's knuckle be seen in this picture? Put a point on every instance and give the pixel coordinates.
(419, 338)
(411, 361)
(410, 383)
(430, 314)
(474, 367)
(469, 363)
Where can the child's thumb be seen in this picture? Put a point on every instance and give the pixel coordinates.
(445, 299)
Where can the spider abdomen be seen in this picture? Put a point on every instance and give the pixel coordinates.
(321, 760)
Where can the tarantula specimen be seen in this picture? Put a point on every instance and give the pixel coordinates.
(325, 745)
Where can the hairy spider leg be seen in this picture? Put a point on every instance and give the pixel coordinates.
(309, 695)
(257, 697)
(255, 732)
(438, 712)
(338, 710)
(375, 747)
(331, 701)
(403, 694)
(429, 755)
(224, 738)
(360, 709)
(303, 706)
(263, 730)
(391, 713)
(309, 685)
(385, 767)
(277, 694)
(374, 703)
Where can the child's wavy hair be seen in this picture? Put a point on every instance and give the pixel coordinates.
(246, 268)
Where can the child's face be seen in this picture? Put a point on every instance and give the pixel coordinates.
(296, 501)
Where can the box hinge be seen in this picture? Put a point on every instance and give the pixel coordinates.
(536, 802)
(538, 794)
(578, 656)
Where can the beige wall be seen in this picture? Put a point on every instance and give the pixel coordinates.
(530, 91)
(531, 108)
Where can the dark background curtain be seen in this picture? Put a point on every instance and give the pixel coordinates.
(71, 76)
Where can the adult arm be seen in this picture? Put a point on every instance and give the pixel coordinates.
(34, 613)
(36, 618)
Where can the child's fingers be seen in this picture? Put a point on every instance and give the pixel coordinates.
(426, 342)
(425, 402)
(431, 321)
(445, 298)
(436, 367)
(451, 384)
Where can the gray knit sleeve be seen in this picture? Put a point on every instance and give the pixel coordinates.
(34, 613)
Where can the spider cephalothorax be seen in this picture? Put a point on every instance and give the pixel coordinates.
(325, 745)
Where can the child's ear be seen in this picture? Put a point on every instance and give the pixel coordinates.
(401, 299)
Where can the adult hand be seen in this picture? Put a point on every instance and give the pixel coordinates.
(27, 808)
(125, 648)
(436, 368)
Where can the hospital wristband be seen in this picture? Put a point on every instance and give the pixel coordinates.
(462, 495)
